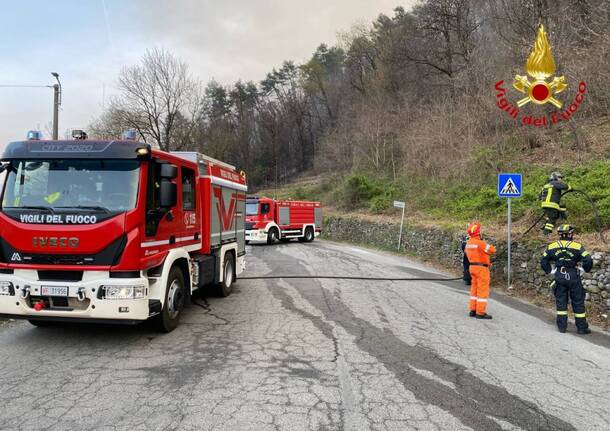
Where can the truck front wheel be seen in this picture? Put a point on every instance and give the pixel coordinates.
(228, 276)
(272, 235)
(169, 318)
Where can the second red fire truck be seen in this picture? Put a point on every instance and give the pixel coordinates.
(115, 231)
(270, 220)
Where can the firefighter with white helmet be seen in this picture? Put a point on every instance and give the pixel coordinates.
(550, 198)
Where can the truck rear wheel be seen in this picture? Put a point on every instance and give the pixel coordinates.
(309, 235)
(272, 235)
(225, 287)
(175, 295)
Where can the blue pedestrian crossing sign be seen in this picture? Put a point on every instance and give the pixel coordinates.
(509, 185)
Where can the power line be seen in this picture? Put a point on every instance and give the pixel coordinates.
(25, 86)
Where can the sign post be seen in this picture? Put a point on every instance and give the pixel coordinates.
(509, 186)
(399, 204)
(509, 242)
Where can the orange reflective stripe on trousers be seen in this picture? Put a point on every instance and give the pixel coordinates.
(479, 289)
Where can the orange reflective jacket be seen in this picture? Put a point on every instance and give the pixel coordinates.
(478, 251)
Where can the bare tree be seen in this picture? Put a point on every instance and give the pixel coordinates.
(160, 99)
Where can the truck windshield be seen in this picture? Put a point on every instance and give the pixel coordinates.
(108, 185)
(252, 208)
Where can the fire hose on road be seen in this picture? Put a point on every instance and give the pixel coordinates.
(500, 254)
(346, 277)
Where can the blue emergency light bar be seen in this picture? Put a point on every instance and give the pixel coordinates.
(129, 135)
(34, 135)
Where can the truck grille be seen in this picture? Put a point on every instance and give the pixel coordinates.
(60, 275)
(110, 255)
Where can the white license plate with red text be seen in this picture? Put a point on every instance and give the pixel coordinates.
(54, 290)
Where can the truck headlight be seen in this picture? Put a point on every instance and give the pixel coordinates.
(124, 292)
(6, 288)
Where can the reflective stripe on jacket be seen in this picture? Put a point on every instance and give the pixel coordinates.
(478, 251)
(566, 254)
(551, 194)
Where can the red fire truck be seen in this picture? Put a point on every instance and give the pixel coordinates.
(270, 220)
(115, 231)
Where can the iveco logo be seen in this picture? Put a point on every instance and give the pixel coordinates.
(55, 241)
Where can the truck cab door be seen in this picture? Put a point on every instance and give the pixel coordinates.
(191, 223)
(266, 212)
(162, 217)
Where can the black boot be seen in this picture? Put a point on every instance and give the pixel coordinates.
(472, 313)
(582, 326)
(562, 330)
(484, 316)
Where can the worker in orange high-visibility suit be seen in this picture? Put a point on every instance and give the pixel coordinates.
(479, 255)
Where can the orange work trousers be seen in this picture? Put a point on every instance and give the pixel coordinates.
(479, 289)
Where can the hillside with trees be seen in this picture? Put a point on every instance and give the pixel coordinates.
(402, 108)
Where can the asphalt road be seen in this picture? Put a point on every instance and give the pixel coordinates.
(313, 354)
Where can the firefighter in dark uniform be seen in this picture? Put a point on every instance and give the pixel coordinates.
(567, 254)
(550, 198)
(466, 265)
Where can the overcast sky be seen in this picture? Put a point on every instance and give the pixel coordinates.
(88, 41)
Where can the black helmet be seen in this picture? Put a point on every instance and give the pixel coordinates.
(565, 231)
(555, 176)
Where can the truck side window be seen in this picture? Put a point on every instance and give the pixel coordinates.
(265, 208)
(153, 185)
(188, 189)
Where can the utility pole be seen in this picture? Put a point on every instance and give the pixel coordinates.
(56, 99)
(55, 111)
(56, 104)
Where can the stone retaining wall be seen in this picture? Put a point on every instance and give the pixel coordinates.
(444, 247)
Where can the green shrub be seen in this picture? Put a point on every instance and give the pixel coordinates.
(359, 189)
(594, 180)
(380, 204)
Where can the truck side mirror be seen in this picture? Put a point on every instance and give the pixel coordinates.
(168, 171)
(168, 194)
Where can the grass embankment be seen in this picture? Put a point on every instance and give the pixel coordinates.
(453, 203)
(469, 188)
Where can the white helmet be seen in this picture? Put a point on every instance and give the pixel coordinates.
(555, 176)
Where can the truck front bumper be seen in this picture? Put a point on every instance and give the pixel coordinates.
(256, 235)
(83, 301)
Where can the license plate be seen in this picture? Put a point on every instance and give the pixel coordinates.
(54, 290)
